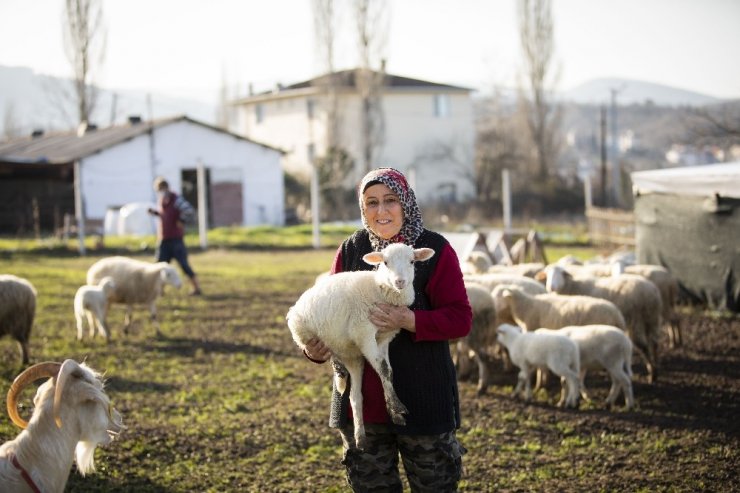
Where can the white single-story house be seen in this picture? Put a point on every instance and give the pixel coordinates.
(116, 165)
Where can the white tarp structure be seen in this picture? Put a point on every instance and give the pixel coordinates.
(688, 220)
(708, 180)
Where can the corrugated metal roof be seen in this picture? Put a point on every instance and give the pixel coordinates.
(66, 147)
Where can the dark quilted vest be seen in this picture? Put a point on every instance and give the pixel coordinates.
(423, 373)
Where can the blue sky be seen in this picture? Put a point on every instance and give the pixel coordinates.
(187, 47)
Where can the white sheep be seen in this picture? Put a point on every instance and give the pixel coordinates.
(529, 269)
(530, 350)
(72, 415)
(607, 347)
(637, 298)
(668, 287)
(553, 311)
(91, 303)
(17, 310)
(477, 262)
(136, 282)
(481, 336)
(336, 311)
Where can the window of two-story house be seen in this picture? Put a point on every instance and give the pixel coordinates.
(259, 113)
(441, 105)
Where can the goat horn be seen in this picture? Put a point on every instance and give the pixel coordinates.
(67, 368)
(31, 374)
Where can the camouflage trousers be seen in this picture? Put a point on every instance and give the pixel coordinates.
(432, 463)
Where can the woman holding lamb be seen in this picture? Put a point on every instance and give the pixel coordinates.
(423, 373)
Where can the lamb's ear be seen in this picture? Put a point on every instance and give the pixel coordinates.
(541, 276)
(373, 258)
(506, 293)
(422, 254)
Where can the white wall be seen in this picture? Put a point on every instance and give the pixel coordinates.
(124, 173)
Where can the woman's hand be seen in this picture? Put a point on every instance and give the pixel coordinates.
(389, 317)
(316, 350)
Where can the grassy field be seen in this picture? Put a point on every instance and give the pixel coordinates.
(223, 401)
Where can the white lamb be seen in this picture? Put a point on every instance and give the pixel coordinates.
(637, 298)
(91, 303)
(336, 311)
(607, 347)
(136, 282)
(72, 415)
(477, 262)
(530, 350)
(17, 310)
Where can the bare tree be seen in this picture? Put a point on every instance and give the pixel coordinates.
(543, 117)
(717, 125)
(11, 127)
(371, 18)
(325, 28)
(84, 40)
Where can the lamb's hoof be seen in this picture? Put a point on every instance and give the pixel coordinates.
(481, 389)
(398, 419)
(361, 442)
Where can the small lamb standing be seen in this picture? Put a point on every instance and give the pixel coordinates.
(336, 310)
(72, 415)
(17, 310)
(607, 347)
(531, 350)
(91, 302)
(137, 282)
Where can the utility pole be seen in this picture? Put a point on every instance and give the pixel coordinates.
(616, 171)
(602, 138)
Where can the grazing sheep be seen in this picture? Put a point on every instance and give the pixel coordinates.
(482, 334)
(72, 415)
(527, 269)
(607, 347)
(336, 311)
(91, 302)
(637, 298)
(136, 282)
(553, 311)
(477, 262)
(530, 350)
(17, 310)
(667, 285)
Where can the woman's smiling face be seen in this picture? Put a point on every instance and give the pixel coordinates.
(383, 210)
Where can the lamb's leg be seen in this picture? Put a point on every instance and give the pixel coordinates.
(80, 325)
(620, 380)
(90, 323)
(377, 356)
(24, 351)
(153, 317)
(100, 319)
(525, 375)
(355, 370)
(127, 319)
(482, 373)
(569, 388)
(582, 383)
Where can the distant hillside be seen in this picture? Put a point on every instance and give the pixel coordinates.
(598, 91)
(29, 100)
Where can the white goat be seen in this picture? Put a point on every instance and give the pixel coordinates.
(530, 350)
(91, 303)
(136, 282)
(607, 347)
(17, 310)
(336, 311)
(72, 415)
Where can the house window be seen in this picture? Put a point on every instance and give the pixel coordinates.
(441, 105)
(310, 107)
(259, 113)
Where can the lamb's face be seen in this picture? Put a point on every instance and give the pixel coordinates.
(555, 278)
(170, 276)
(505, 333)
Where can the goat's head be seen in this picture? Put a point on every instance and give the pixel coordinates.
(75, 395)
(396, 264)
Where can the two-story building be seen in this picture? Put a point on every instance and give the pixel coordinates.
(427, 129)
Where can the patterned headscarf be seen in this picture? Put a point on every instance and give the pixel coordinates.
(412, 223)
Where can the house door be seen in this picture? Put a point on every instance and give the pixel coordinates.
(189, 180)
(227, 201)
